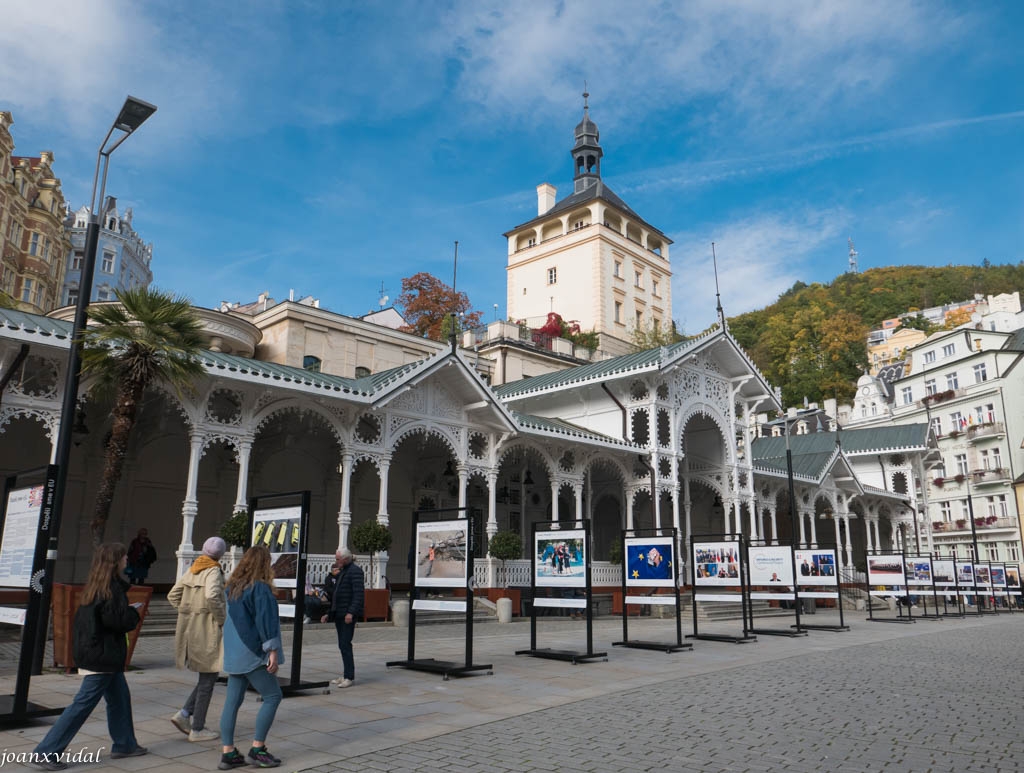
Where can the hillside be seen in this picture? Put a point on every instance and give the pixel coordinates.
(812, 340)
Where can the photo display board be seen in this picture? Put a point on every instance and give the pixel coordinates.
(817, 566)
(716, 563)
(886, 570)
(1013, 577)
(998, 574)
(21, 525)
(278, 530)
(559, 558)
(964, 573)
(650, 562)
(441, 548)
(770, 565)
(983, 575)
(919, 570)
(943, 572)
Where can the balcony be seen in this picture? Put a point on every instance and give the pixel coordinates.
(992, 429)
(980, 522)
(987, 477)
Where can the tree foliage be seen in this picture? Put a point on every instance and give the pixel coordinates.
(653, 336)
(426, 303)
(812, 341)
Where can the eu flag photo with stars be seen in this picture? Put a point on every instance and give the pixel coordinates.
(650, 562)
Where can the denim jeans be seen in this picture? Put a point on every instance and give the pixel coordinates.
(268, 688)
(199, 700)
(114, 690)
(345, 633)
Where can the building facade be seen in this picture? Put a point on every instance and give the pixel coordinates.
(33, 245)
(123, 259)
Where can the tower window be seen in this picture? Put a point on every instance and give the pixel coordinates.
(311, 363)
(552, 276)
(617, 270)
(638, 279)
(654, 287)
(33, 245)
(618, 312)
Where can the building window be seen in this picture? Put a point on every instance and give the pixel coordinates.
(956, 421)
(908, 395)
(72, 297)
(948, 350)
(26, 290)
(951, 381)
(929, 357)
(1011, 551)
(46, 250)
(937, 426)
(997, 459)
(577, 225)
(361, 371)
(965, 509)
(552, 276)
(102, 295)
(618, 312)
(639, 320)
(961, 464)
(311, 363)
(993, 551)
(638, 279)
(654, 288)
(108, 262)
(980, 373)
(33, 244)
(985, 413)
(929, 387)
(531, 242)
(946, 511)
(617, 270)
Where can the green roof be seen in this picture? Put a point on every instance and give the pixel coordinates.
(34, 324)
(566, 428)
(287, 374)
(888, 439)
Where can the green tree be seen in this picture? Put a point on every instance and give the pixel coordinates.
(505, 546)
(147, 337)
(653, 336)
(370, 537)
(426, 303)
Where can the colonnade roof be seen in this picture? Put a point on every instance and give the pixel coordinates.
(891, 439)
(560, 427)
(27, 327)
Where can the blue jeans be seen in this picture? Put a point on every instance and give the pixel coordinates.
(345, 633)
(268, 688)
(114, 690)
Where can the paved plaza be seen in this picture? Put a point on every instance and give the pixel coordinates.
(932, 696)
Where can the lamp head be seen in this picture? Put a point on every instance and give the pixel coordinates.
(133, 114)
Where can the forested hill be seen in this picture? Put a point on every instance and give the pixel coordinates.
(812, 340)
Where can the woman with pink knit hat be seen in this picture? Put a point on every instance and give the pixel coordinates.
(198, 595)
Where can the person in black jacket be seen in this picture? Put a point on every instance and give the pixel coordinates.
(100, 650)
(346, 606)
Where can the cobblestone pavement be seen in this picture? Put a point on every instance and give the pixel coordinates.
(933, 696)
(948, 701)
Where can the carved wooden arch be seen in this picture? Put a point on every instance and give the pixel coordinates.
(293, 405)
(551, 466)
(616, 465)
(49, 419)
(427, 429)
(709, 411)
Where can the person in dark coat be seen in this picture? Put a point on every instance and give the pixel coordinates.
(346, 607)
(141, 556)
(100, 649)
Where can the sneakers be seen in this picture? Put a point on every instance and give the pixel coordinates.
(341, 682)
(233, 759)
(49, 762)
(203, 735)
(183, 723)
(138, 751)
(261, 758)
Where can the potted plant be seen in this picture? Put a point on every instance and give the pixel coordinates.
(372, 537)
(937, 482)
(959, 478)
(235, 530)
(505, 546)
(961, 523)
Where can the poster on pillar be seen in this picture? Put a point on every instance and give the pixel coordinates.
(650, 562)
(559, 558)
(886, 570)
(919, 570)
(18, 544)
(441, 553)
(717, 563)
(770, 565)
(278, 530)
(816, 566)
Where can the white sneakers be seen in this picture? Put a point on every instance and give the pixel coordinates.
(183, 723)
(341, 682)
(203, 735)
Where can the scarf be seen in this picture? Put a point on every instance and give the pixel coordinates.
(203, 563)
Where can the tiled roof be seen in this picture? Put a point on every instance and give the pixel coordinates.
(287, 374)
(809, 465)
(566, 428)
(1015, 343)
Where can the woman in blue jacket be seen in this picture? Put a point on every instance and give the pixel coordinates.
(100, 649)
(252, 655)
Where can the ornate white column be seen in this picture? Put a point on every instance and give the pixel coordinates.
(190, 506)
(578, 489)
(878, 536)
(803, 532)
(345, 510)
(384, 468)
(814, 528)
(755, 516)
(847, 541)
(492, 506)
(629, 507)
(244, 448)
(555, 486)
(463, 481)
(687, 511)
(868, 543)
(775, 525)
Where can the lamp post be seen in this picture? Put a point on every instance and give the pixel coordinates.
(974, 543)
(133, 114)
(792, 520)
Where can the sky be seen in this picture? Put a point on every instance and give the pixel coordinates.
(332, 148)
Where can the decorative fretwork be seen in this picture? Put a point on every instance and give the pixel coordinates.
(224, 406)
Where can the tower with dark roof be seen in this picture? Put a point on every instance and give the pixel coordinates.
(589, 257)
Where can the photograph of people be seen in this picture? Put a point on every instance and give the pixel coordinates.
(560, 559)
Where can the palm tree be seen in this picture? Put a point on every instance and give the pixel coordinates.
(6, 301)
(149, 336)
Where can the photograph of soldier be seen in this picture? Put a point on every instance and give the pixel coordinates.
(440, 554)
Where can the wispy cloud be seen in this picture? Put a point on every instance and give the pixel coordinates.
(759, 256)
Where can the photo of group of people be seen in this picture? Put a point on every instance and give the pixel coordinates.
(277, 529)
(716, 563)
(816, 567)
(886, 570)
(560, 558)
(440, 559)
(770, 565)
(649, 562)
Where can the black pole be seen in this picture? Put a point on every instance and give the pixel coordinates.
(974, 543)
(792, 525)
(625, 563)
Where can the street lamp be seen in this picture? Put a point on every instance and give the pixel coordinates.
(133, 114)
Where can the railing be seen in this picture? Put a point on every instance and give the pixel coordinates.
(977, 431)
(980, 522)
(993, 475)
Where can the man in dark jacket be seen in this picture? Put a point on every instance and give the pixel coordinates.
(346, 606)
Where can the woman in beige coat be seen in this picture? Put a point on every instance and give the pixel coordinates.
(199, 598)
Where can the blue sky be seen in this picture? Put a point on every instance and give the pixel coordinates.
(329, 147)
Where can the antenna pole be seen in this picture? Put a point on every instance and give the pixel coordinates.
(454, 335)
(718, 295)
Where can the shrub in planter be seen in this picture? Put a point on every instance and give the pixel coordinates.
(505, 546)
(370, 537)
(235, 530)
(615, 552)
(938, 482)
(961, 523)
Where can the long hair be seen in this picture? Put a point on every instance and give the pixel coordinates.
(106, 567)
(254, 567)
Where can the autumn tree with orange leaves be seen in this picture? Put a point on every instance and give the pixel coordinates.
(427, 303)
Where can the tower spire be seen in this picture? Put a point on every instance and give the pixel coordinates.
(718, 294)
(586, 153)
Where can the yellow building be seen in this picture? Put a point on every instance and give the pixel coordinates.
(893, 349)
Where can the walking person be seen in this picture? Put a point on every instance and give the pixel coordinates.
(346, 606)
(198, 595)
(252, 656)
(141, 556)
(100, 648)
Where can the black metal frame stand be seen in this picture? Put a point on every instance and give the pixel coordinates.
(826, 594)
(570, 656)
(447, 668)
(945, 587)
(925, 614)
(792, 596)
(900, 618)
(743, 595)
(679, 645)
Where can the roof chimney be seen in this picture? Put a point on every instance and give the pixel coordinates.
(545, 198)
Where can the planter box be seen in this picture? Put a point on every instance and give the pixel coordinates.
(493, 594)
(65, 605)
(376, 604)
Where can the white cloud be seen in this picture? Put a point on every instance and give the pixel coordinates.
(759, 257)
